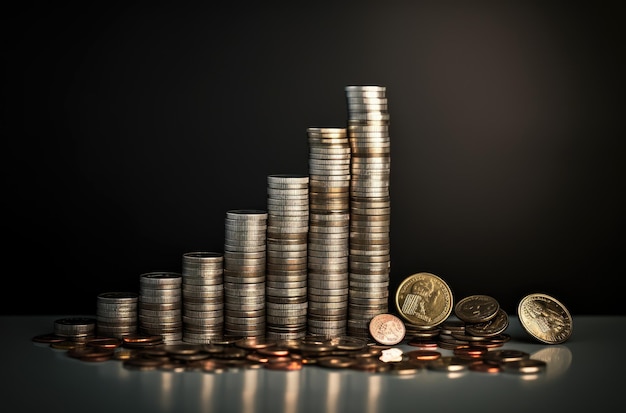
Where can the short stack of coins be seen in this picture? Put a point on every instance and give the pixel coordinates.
(244, 272)
(203, 296)
(286, 275)
(329, 231)
(160, 305)
(368, 132)
(75, 328)
(116, 313)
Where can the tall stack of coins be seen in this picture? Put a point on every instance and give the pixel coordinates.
(244, 272)
(286, 274)
(160, 304)
(203, 296)
(116, 313)
(368, 132)
(329, 230)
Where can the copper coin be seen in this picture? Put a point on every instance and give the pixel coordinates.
(387, 329)
(336, 362)
(290, 365)
(48, 338)
(423, 355)
(485, 367)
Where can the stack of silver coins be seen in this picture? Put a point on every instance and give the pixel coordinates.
(203, 296)
(160, 305)
(286, 275)
(116, 313)
(329, 230)
(75, 328)
(368, 131)
(244, 273)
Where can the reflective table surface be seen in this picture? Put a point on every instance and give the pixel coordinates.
(582, 374)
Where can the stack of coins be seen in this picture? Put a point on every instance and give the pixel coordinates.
(75, 328)
(244, 272)
(329, 231)
(160, 304)
(286, 273)
(203, 296)
(368, 132)
(116, 313)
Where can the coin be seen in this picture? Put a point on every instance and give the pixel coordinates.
(387, 329)
(478, 308)
(525, 366)
(424, 299)
(545, 318)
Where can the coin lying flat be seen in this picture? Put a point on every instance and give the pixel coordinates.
(424, 299)
(545, 318)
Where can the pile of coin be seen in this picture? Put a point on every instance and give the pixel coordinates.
(148, 352)
(286, 271)
(370, 205)
(116, 313)
(203, 296)
(160, 305)
(329, 231)
(244, 272)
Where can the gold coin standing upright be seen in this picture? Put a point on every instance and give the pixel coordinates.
(545, 318)
(424, 299)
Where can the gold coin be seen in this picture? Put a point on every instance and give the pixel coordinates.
(545, 318)
(424, 299)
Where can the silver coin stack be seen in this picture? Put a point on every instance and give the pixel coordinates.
(203, 296)
(329, 230)
(286, 272)
(160, 305)
(75, 328)
(244, 273)
(116, 313)
(368, 132)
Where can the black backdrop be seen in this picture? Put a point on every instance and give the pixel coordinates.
(130, 131)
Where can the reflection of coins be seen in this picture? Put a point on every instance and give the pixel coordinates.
(387, 329)
(558, 357)
(424, 299)
(545, 318)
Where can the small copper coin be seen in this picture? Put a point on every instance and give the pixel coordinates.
(525, 366)
(336, 362)
(290, 365)
(387, 329)
(48, 338)
(483, 367)
(423, 355)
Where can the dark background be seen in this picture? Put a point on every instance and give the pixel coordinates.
(130, 131)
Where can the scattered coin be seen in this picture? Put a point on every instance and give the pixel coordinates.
(545, 318)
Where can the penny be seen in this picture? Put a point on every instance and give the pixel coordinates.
(336, 362)
(525, 366)
(48, 338)
(448, 363)
(423, 355)
(483, 367)
(387, 329)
